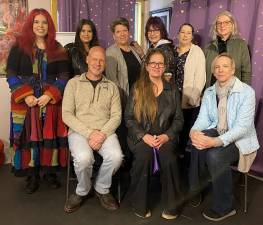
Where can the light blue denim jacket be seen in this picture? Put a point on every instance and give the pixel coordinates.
(240, 116)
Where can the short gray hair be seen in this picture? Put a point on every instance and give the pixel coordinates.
(119, 21)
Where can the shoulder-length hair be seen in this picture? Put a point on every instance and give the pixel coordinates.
(156, 23)
(94, 41)
(145, 104)
(26, 41)
(213, 32)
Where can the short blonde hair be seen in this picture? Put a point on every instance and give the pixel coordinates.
(224, 54)
(213, 31)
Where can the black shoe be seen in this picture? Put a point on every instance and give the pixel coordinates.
(196, 200)
(52, 180)
(32, 185)
(214, 216)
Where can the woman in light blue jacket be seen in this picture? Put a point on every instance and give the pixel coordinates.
(223, 131)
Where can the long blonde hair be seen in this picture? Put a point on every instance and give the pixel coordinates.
(145, 103)
(213, 32)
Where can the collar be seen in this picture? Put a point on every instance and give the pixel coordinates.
(82, 78)
(236, 88)
(162, 42)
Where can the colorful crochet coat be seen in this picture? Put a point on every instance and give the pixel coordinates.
(38, 137)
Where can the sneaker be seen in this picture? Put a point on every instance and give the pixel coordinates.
(107, 201)
(168, 215)
(147, 215)
(73, 203)
(214, 216)
(196, 201)
(52, 180)
(32, 184)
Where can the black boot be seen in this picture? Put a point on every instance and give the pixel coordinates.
(32, 180)
(52, 180)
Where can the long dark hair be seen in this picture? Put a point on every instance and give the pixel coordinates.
(145, 106)
(94, 41)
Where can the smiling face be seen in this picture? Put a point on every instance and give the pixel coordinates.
(121, 35)
(96, 62)
(223, 69)
(86, 34)
(155, 67)
(224, 26)
(154, 35)
(40, 26)
(185, 35)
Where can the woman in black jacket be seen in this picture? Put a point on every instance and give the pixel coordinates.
(157, 36)
(154, 119)
(86, 38)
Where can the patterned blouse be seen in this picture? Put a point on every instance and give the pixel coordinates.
(179, 69)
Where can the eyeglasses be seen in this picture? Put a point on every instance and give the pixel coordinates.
(223, 23)
(153, 31)
(156, 65)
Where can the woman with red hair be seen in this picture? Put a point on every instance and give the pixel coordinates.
(37, 72)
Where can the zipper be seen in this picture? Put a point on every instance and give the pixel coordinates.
(93, 93)
(98, 94)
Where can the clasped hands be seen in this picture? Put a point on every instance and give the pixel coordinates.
(155, 140)
(42, 101)
(201, 141)
(96, 139)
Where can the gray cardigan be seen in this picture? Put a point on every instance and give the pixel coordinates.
(116, 69)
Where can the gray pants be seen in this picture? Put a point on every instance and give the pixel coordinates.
(83, 160)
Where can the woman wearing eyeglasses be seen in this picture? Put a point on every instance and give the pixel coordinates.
(154, 119)
(225, 38)
(157, 36)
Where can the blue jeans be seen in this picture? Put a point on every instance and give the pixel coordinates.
(218, 161)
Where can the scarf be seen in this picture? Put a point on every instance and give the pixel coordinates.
(222, 94)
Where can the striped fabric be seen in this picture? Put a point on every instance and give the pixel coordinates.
(38, 136)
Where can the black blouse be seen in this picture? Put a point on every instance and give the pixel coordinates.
(133, 66)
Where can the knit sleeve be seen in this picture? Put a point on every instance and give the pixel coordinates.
(19, 89)
(55, 91)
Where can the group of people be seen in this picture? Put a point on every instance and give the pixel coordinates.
(120, 101)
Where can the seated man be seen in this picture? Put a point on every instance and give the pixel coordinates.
(223, 130)
(92, 110)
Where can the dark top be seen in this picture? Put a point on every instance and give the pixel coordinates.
(77, 60)
(133, 67)
(94, 82)
(169, 118)
(221, 45)
(179, 69)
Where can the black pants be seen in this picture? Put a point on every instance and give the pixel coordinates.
(141, 171)
(218, 161)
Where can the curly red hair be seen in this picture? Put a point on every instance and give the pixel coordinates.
(27, 38)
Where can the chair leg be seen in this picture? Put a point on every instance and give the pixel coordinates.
(119, 190)
(245, 197)
(68, 177)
